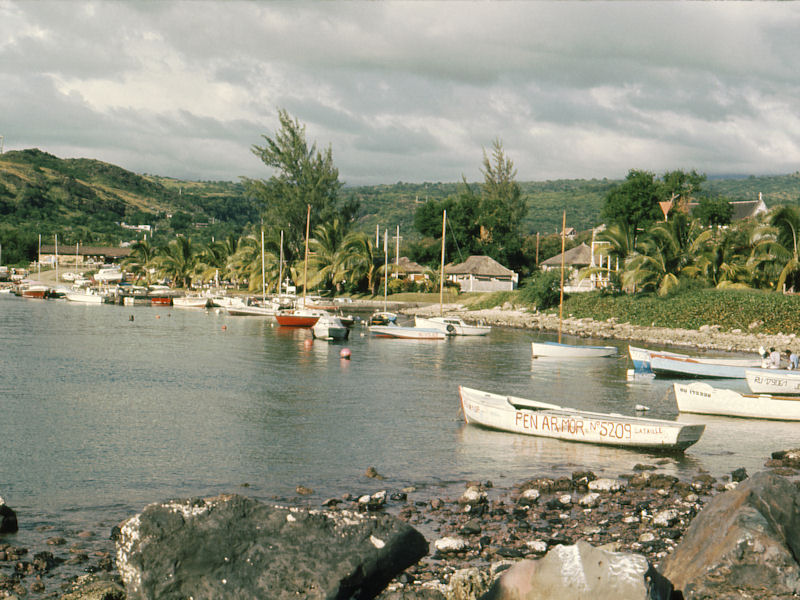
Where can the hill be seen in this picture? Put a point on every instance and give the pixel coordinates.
(87, 200)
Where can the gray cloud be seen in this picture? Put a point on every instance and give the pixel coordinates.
(406, 91)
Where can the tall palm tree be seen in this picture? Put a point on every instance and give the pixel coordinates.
(362, 262)
(326, 258)
(177, 261)
(140, 260)
(665, 253)
(779, 244)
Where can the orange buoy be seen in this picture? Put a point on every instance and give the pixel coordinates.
(345, 353)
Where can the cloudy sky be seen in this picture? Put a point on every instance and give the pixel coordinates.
(407, 91)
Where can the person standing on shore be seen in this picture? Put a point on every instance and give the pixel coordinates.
(794, 360)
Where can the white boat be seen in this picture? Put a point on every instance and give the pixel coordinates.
(190, 302)
(394, 330)
(701, 398)
(330, 327)
(89, 296)
(773, 381)
(247, 308)
(676, 365)
(451, 325)
(556, 350)
(530, 417)
(110, 275)
(641, 358)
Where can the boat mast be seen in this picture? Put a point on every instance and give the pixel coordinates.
(305, 262)
(280, 268)
(441, 273)
(263, 280)
(385, 265)
(561, 294)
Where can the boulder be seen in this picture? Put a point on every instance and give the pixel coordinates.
(581, 572)
(743, 542)
(231, 546)
(8, 518)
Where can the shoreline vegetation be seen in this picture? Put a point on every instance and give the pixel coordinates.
(707, 319)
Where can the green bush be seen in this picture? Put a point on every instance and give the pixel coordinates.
(542, 290)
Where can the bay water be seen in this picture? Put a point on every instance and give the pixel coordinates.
(104, 409)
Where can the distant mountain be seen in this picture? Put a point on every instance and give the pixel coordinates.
(87, 200)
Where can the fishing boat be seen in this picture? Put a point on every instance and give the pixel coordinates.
(557, 350)
(451, 325)
(641, 358)
(34, 290)
(701, 398)
(85, 296)
(330, 327)
(773, 381)
(393, 330)
(190, 302)
(531, 417)
(382, 318)
(675, 365)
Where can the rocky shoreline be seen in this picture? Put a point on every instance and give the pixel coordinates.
(473, 535)
(708, 337)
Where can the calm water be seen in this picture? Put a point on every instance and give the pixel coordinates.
(101, 414)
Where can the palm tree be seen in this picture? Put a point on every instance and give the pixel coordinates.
(326, 254)
(140, 260)
(177, 261)
(362, 262)
(618, 244)
(665, 253)
(779, 244)
(722, 258)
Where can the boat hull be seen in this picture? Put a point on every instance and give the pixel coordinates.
(330, 328)
(709, 368)
(407, 333)
(299, 318)
(529, 417)
(190, 302)
(84, 298)
(556, 350)
(451, 326)
(773, 381)
(701, 398)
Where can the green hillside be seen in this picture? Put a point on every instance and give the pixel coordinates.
(87, 200)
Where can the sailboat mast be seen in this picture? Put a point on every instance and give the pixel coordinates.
(561, 294)
(385, 265)
(280, 268)
(263, 280)
(441, 272)
(305, 262)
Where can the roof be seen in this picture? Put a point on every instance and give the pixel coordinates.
(742, 209)
(479, 265)
(579, 255)
(409, 266)
(87, 250)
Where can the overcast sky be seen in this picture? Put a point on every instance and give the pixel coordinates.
(407, 91)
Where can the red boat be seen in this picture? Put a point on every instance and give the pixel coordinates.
(35, 291)
(161, 300)
(300, 317)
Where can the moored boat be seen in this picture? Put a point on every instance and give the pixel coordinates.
(330, 327)
(531, 417)
(298, 317)
(190, 302)
(85, 296)
(451, 325)
(382, 318)
(34, 290)
(773, 381)
(701, 398)
(393, 330)
(556, 350)
(675, 365)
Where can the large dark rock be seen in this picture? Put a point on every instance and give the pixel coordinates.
(581, 572)
(231, 546)
(8, 518)
(742, 544)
